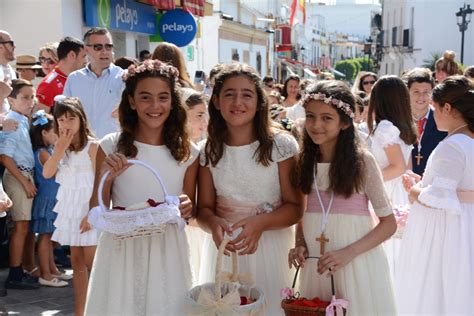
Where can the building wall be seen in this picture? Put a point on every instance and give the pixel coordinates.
(434, 30)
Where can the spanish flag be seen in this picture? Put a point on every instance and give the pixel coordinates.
(295, 5)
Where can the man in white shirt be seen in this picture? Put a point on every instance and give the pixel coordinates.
(7, 74)
(99, 85)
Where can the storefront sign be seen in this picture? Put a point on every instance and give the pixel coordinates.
(177, 27)
(123, 15)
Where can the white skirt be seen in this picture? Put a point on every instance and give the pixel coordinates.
(140, 276)
(365, 281)
(268, 265)
(436, 263)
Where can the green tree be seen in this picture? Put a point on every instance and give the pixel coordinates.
(347, 67)
(431, 61)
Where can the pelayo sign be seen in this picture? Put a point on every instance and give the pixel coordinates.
(124, 15)
(177, 27)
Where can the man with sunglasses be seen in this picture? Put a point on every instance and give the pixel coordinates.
(99, 85)
(72, 56)
(7, 74)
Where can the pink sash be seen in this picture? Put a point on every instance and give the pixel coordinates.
(357, 204)
(466, 196)
(234, 211)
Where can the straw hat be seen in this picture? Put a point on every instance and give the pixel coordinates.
(26, 62)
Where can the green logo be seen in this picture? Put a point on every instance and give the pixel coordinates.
(103, 12)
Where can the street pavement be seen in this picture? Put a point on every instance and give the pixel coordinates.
(44, 301)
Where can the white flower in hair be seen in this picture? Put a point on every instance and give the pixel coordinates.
(346, 108)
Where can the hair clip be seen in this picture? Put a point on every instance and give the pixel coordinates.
(40, 117)
(59, 98)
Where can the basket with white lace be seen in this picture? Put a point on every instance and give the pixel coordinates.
(143, 219)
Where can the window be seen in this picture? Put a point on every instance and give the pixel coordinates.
(259, 63)
(246, 57)
(235, 55)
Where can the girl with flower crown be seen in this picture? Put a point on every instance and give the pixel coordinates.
(340, 178)
(145, 274)
(245, 184)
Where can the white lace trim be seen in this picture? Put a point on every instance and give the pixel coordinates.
(285, 146)
(152, 219)
(386, 134)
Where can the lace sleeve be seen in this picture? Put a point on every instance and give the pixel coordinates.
(374, 187)
(285, 147)
(386, 134)
(447, 166)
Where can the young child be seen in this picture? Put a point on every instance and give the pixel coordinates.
(391, 142)
(441, 221)
(145, 275)
(340, 178)
(244, 182)
(43, 138)
(17, 157)
(73, 163)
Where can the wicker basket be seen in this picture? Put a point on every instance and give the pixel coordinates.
(297, 310)
(148, 221)
(219, 296)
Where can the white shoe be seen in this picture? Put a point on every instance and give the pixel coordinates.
(54, 282)
(63, 276)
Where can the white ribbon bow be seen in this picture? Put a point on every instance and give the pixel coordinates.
(339, 303)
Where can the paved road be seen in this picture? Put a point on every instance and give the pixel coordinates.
(44, 301)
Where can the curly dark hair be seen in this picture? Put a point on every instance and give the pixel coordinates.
(217, 128)
(175, 134)
(346, 173)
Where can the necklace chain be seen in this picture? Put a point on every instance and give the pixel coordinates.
(324, 211)
(457, 129)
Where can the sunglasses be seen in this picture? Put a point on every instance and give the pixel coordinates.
(368, 82)
(46, 60)
(12, 43)
(100, 47)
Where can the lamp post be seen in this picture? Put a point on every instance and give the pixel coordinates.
(368, 51)
(302, 49)
(463, 18)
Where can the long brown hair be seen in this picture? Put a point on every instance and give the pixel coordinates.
(217, 128)
(346, 173)
(37, 127)
(73, 106)
(175, 134)
(390, 100)
(171, 54)
(447, 64)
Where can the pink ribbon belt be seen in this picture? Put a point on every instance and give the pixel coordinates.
(357, 204)
(466, 196)
(233, 210)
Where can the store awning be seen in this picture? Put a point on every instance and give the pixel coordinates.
(334, 71)
(195, 7)
(161, 4)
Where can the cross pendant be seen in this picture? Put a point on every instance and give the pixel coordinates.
(418, 159)
(322, 242)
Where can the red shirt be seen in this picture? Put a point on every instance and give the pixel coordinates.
(51, 86)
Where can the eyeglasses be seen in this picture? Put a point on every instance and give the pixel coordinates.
(100, 47)
(368, 82)
(12, 43)
(46, 60)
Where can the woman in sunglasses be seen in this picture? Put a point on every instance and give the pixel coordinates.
(364, 82)
(48, 57)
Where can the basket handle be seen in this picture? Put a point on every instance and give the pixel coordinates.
(333, 287)
(220, 255)
(135, 162)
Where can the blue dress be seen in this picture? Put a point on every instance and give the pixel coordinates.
(42, 215)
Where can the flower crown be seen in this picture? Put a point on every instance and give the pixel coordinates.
(346, 108)
(152, 65)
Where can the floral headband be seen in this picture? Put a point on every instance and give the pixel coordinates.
(152, 65)
(346, 108)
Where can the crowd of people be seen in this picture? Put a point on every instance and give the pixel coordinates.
(375, 181)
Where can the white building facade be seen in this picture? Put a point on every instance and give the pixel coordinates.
(415, 29)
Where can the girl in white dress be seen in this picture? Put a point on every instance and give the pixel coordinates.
(145, 275)
(437, 253)
(244, 183)
(73, 163)
(391, 142)
(340, 178)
